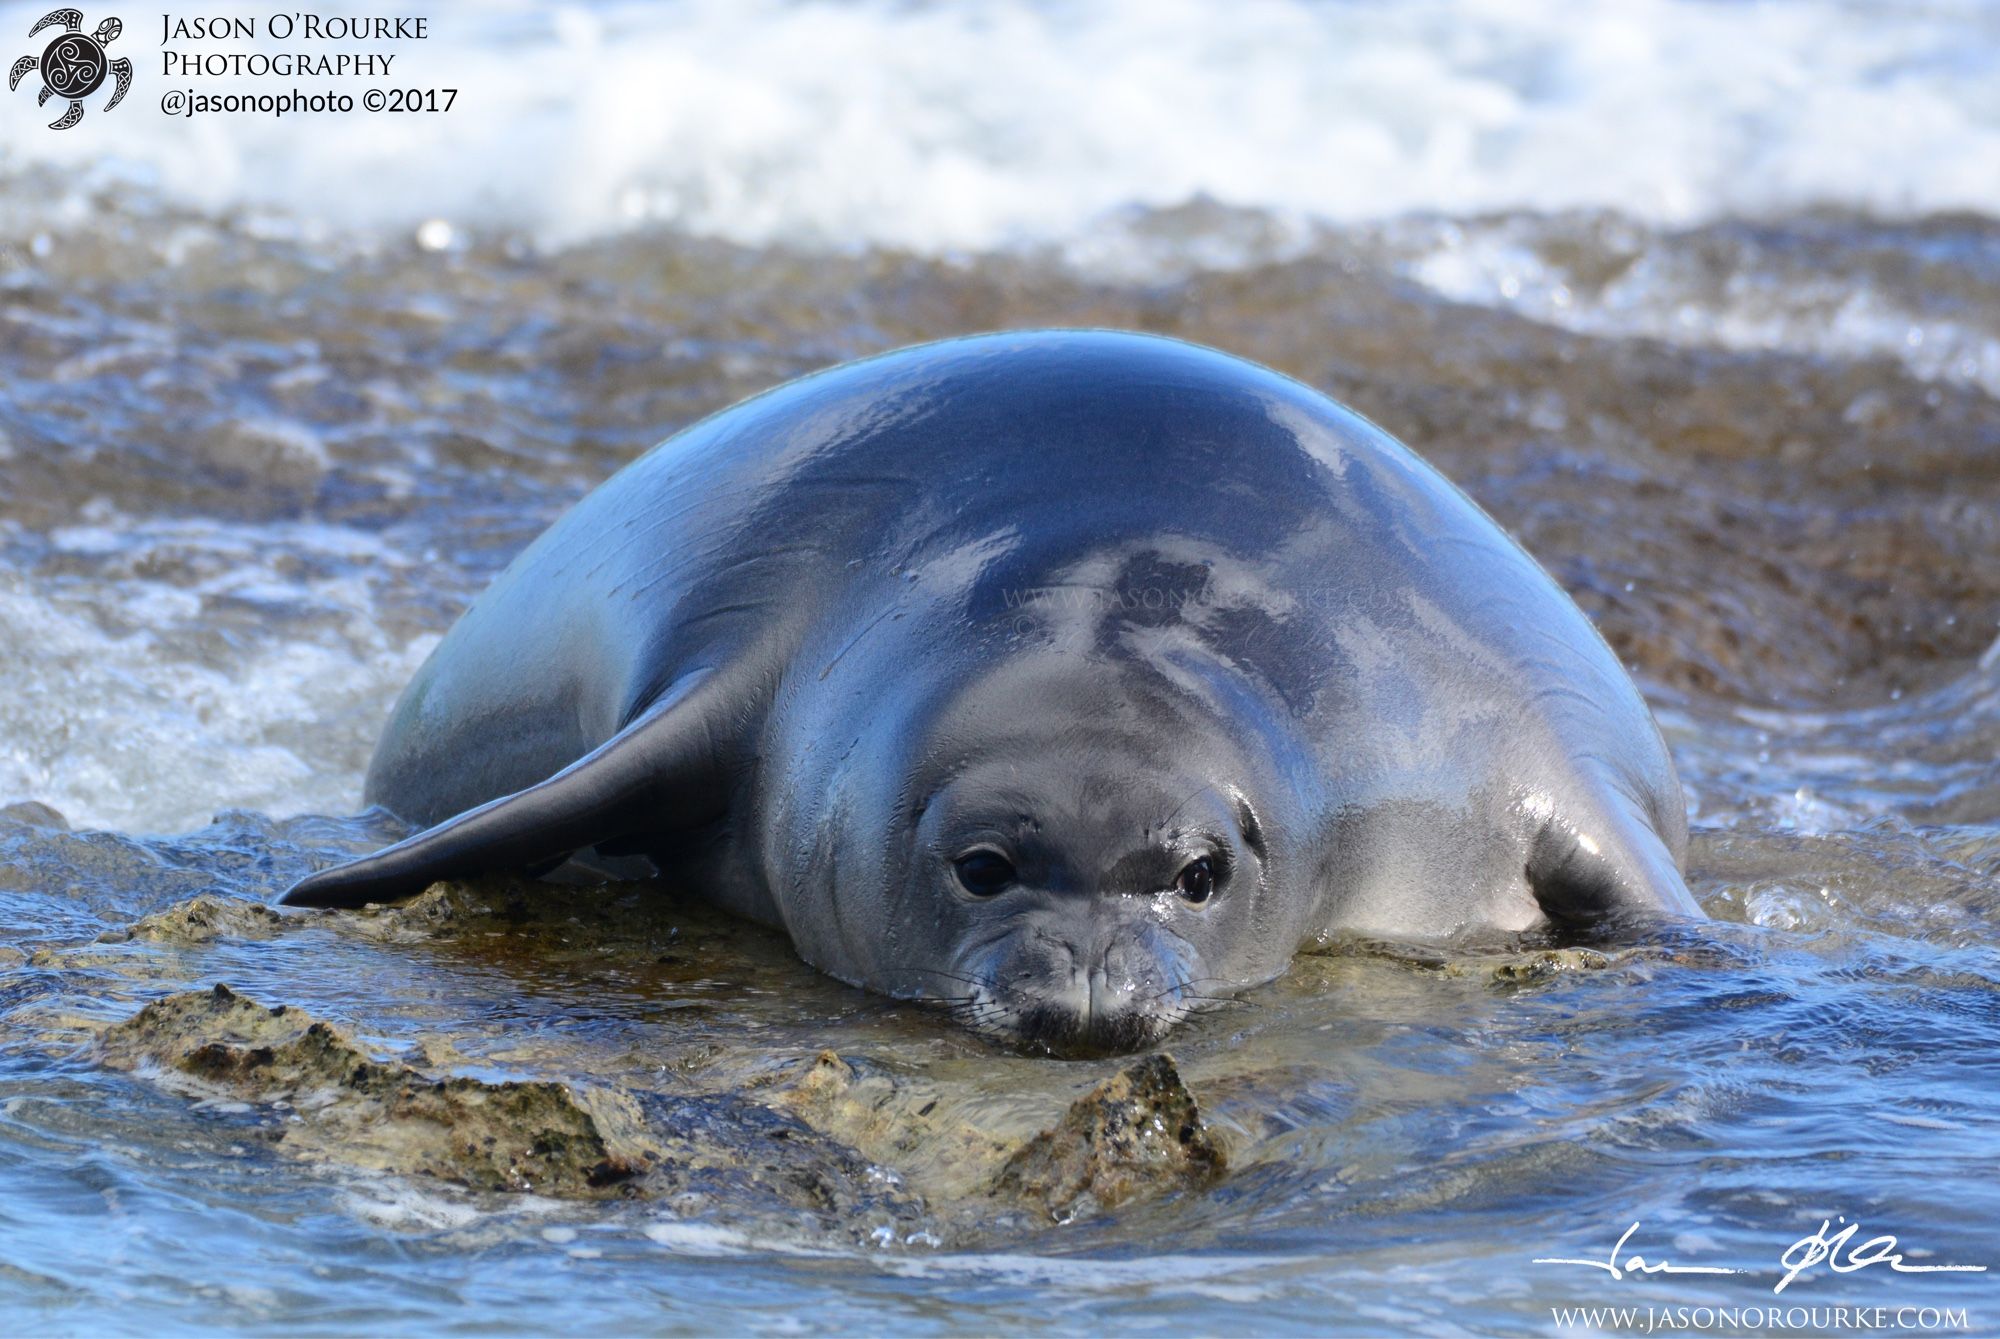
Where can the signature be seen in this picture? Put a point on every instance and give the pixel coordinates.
(1819, 1247)
(1635, 1264)
(1835, 1250)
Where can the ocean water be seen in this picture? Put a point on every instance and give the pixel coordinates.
(1700, 300)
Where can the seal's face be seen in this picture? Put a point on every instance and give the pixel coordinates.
(1064, 851)
(1081, 906)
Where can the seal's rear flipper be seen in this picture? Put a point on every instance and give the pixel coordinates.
(1610, 863)
(659, 772)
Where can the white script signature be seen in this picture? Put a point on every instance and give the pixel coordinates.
(1835, 1250)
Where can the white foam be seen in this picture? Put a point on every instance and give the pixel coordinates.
(399, 1206)
(940, 127)
(1667, 295)
(115, 719)
(698, 1239)
(1241, 1279)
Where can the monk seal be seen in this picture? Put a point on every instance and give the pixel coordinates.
(1071, 678)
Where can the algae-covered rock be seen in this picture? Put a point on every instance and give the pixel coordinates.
(1540, 966)
(1501, 959)
(828, 1080)
(1136, 1134)
(860, 1106)
(201, 919)
(907, 1124)
(440, 910)
(339, 1105)
(383, 1115)
(34, 814)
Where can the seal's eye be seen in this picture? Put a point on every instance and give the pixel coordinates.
(1196, 881)
(984, 873)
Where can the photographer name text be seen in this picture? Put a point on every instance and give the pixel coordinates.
(178, 62)
(307, 45)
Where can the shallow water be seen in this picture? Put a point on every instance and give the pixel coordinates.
(248, 473)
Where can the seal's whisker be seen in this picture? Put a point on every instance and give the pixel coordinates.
(1191, 797)
(1180, 988)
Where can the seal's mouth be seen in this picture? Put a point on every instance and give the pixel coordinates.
(1066, 1034)
(1071, 1026)
(1053, 983)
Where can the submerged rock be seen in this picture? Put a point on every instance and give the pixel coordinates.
(342, 1106)
(201, 919)
(34, 814)
(386, 1116)
(439, 911)
(827, 1142)
(911, 1125)
(863, 1142)
(1501, 959)
(1539, 966)
(1138, 1133)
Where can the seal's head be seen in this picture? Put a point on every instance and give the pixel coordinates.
(1085, 902)
(1067, 853)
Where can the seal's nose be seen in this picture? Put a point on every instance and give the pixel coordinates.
(1125, 971)
(1115, 999)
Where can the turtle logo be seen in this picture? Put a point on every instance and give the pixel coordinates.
(73, 65)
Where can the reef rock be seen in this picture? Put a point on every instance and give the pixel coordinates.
(1139, 1133)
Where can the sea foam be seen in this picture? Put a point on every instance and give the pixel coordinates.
(948, 127)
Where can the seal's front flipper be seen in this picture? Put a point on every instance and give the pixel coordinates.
(1603, 864)
(660, 772)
